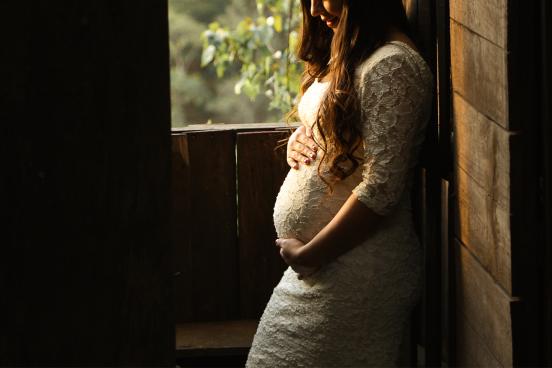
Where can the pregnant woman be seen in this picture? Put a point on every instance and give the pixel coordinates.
(343, 215)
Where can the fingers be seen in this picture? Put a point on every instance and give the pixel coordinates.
(304, 150)
(301, 271)
(307, 141)
(298, 152)
(294, 158)
(294, 164)
(303, 135)
(299, 158)
(301, 147)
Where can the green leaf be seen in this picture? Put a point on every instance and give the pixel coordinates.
(278, 23)
(214, 26)
(208, 55)
(221, 68)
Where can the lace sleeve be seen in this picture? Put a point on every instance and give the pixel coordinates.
(394, 100)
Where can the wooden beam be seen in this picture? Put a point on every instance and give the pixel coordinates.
(235, 127)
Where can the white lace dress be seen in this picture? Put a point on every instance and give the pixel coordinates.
(352, 312)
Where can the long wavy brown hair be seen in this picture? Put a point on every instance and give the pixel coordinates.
(363, 26)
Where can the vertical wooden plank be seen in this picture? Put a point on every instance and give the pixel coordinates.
(181, 220)
(444, 105)
(206, 273)
(261, 171)
(85, 265)
(546, 139)
(447, 272)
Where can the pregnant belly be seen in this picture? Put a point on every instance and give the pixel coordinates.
(304, 205)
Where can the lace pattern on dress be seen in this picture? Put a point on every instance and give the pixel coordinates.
(394, 112)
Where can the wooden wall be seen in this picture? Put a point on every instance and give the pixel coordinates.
(84, 191)
(483, 138)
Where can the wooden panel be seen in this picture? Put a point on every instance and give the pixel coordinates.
(85, 265)
(261, 171)
(214, 344)
(483, 225)
(479, 73)
(471, 349)
(482, 149)
(210, 338)
(204, 235)
(484, 305)
(486, 18)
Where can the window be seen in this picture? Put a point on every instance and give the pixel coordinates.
(230, 60)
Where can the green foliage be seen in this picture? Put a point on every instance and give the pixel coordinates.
(198, 94)
(262, 48)
(185, 51)
(203, 11)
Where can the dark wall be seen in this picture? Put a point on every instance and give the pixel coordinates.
(85, 121)
(546, 143)
(525, 75)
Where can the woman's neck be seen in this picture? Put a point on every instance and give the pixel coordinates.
(396, 35)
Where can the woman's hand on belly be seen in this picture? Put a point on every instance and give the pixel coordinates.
(301, 148)
(290, 251)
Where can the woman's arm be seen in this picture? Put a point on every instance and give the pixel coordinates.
(353, 224)
(395, 105)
